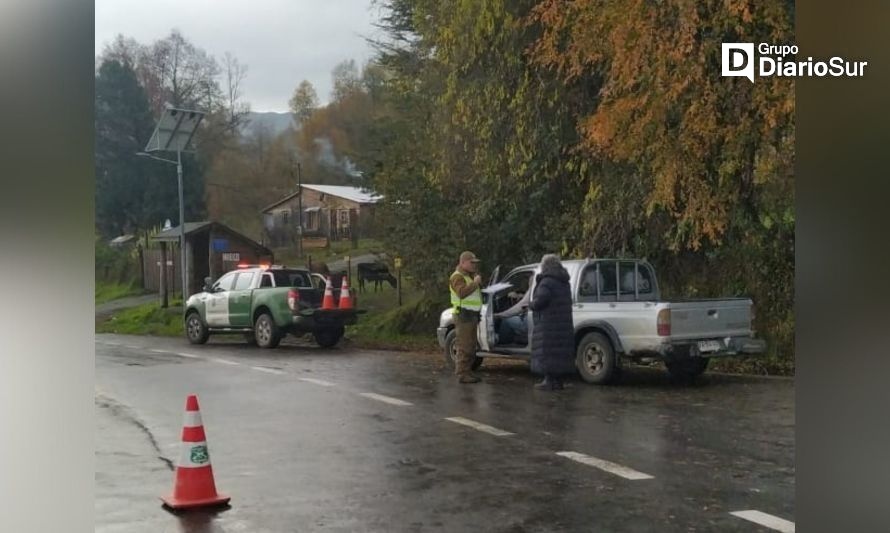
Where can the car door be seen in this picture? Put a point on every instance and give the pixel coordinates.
(495, 274)
(607, 293)
(239, 299)
(485, 333)
(217, 306)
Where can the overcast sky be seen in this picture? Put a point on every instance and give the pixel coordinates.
(281, 41)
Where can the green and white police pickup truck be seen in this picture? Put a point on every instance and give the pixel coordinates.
(264, 304)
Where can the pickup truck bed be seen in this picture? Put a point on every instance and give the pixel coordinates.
(703, 319)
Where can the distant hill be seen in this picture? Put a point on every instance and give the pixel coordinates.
(274, 122)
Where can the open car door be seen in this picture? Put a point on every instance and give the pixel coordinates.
(486, 333)
(495, 274)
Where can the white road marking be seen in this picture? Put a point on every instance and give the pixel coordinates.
(612, 468)
(189, 355)
(766, 520)
(223, 361)
(479, 426)
(130, 346)
(321, 382)
(269, 370)
(384, 399)
(159, 351)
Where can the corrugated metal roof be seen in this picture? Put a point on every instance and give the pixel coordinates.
(355, 194)
(172, 234)
(122, 239)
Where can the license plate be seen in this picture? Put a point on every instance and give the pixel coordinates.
(709, 346)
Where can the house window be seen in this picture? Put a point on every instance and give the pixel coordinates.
(285, 216)
(312, 220)
(344, 218)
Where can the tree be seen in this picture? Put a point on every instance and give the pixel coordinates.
(234, 74)
(123, 124)
(346, 79)
(304, 102)
(711, 158)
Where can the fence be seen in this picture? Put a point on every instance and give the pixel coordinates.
(152, 262)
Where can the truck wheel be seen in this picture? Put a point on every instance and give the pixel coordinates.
(266, 332)
(686, 369)
(328, 337)
(595, 359)
(195, 328)
(451, 352)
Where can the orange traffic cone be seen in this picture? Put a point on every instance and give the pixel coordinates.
(328, 301)
(193, 485)
(345, 298)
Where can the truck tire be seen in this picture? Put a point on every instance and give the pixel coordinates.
(266, 332)
(451, 352)
(595, 359)
(195, 329)
(328, 337)
(686, 369)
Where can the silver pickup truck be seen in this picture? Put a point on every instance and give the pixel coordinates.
(619, 318)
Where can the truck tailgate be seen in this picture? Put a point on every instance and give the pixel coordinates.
(310, 297)
(710, 319)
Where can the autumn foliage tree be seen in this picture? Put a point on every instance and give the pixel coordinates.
(711, 158)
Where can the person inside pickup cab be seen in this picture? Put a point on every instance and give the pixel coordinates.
(513, 328)
(553, 339)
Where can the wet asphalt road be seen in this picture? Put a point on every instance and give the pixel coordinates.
(305, 439)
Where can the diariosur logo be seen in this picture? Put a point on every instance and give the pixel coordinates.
(738, 59)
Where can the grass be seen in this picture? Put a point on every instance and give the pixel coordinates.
(148, 319)
(386, 325)
(107, 291)
(339, 249)
(766, 365)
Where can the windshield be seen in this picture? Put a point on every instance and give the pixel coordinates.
(291, 278)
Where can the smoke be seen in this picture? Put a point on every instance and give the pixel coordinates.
(325, 156)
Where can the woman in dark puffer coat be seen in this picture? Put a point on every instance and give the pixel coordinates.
(553, 337)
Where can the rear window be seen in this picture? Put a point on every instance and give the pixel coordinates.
(291, 278)
(614, 277)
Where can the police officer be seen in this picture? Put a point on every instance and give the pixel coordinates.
(466, 302)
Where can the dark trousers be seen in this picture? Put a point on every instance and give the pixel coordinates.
(466, 344)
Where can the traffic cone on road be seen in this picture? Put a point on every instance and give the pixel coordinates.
(328, 301)
(345, 298)
(193, 484)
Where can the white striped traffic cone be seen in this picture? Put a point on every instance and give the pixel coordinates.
(194, 485)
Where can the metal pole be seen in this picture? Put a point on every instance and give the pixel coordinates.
(400, 287)
(182, 251)
(300, 209)
(163, 276)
